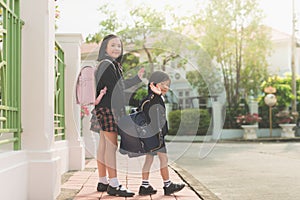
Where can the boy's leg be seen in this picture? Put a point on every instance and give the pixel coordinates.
(146, 188)
(169, 187)
(146, 167)
(164, 171)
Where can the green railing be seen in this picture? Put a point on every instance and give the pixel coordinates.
(10, 74)
(59, 94)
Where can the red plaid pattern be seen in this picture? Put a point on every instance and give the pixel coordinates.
(104, 120)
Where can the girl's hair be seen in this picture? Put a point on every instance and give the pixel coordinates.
(102, 51)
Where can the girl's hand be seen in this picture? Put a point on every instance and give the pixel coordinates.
(141, 73)
(155, 89)
(103, 91)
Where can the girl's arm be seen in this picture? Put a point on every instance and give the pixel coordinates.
(135, 80)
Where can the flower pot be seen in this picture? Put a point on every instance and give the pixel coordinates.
(287, 130)
(250, 131)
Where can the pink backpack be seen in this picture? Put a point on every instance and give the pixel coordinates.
(86, 86)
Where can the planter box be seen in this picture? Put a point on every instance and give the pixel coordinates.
(287, 130)
(250, 132)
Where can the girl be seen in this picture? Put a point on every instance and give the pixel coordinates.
(109, 75)
(159, 84)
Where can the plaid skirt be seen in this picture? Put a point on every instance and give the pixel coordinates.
(103, 119)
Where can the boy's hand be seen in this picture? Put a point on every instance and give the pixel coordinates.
(155, 89)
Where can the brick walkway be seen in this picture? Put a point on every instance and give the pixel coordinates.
(81, 185)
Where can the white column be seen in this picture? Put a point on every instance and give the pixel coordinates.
(91, 139)
(253, 106)
(70, 44)
(38, 99)
(217, 120)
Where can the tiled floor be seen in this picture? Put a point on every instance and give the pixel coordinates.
(81, 185)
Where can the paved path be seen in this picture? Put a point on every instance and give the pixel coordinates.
(243, 170)
(260, 170)
(81, 185)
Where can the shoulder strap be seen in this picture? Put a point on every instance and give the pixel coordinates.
(157, 113)
(115, 69)
(107, 60)
(143, 104)
(158, 120)
(99, 97)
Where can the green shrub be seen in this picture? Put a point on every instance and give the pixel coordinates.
(186, 120)
(264, 112)
(231, 115)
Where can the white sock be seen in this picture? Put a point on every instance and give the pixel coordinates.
(167, 183)
(103, 180)
(114, 182)
(145, 183)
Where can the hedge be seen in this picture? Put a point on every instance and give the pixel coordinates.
(185, 119)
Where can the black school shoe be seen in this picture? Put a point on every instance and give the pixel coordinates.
(147, 190)
(102, 187)
(173, 188)
(119, 191)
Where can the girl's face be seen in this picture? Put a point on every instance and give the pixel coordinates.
(164, 86)
(114, 48)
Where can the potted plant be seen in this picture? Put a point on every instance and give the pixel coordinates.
(249, 123)
(286, 121)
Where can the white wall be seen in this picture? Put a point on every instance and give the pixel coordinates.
(280, 59)
(70, 43)
(13, 175)
(37, 101)
(34, 172)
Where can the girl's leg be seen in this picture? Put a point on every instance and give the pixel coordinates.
(111, 145)
(100, 156)
(114, 188)
(103, 182)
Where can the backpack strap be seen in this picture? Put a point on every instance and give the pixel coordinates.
(143, 104)
(107, 61)
(103, 91)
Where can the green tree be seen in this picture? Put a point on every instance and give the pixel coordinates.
(235, 38)
(283, 94)
(196, 80)
(109, 24)
(139, 34)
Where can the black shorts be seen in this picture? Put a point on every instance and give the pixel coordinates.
(163, 149)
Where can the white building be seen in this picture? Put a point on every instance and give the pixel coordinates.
(280, 61)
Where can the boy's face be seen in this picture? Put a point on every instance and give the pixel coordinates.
(164, 86)
(114, 48)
